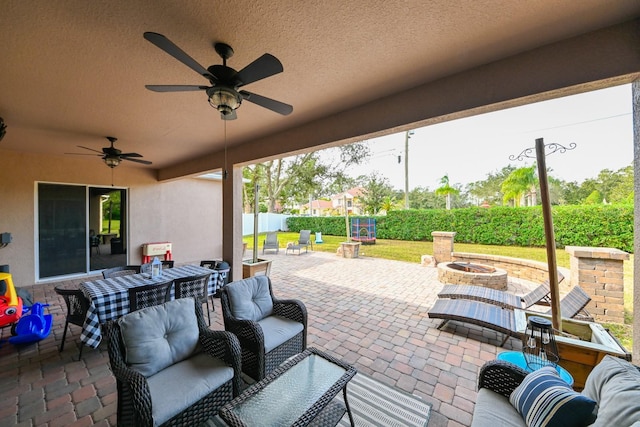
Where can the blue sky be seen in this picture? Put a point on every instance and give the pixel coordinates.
(599, 122)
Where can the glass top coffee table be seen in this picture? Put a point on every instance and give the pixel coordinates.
(300, 392)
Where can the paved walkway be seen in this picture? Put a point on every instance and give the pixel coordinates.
(370, 312)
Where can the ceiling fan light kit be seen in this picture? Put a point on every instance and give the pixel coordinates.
(224, 99)
(112, 161)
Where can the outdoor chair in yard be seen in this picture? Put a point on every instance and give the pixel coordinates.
(123, 270)
(501, 319)
(271, 242)
(170, 368)
(194, 287)
(270, 330)
(539, 295)
(304, 239)
(77, 306)
(149, 295)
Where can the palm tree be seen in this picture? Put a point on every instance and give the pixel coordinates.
(519, 183)
(446, 190)
(389, 203)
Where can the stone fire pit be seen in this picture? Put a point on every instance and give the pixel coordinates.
(463, 273)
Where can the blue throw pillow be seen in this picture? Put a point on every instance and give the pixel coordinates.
(544, 399)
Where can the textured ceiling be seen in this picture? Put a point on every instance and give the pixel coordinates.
(73, 72)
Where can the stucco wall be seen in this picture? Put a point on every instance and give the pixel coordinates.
(187, 212)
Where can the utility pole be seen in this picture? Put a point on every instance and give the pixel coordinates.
(406, 168)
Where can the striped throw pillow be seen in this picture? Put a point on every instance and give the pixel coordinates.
(544, 399)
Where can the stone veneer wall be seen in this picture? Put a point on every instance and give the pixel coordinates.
(533, 271)
(600, 272)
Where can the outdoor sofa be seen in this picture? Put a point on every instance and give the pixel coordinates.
(611, 395)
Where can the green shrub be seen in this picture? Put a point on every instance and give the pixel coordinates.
(583, 225)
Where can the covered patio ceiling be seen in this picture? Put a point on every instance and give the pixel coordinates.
(73, 72)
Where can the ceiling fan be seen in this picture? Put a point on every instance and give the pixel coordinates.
(224, 91)
(112, 156)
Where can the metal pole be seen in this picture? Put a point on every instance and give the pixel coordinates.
(406, 168)
(556, 315)
(255, 224)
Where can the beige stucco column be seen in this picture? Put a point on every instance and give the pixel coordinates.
(443, 245)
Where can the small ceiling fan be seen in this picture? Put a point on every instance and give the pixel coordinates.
(224, 91)
(112, 156)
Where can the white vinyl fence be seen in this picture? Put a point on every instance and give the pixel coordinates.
(266, 222)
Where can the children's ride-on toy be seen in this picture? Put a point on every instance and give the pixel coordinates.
(33, 327)
(10, 303)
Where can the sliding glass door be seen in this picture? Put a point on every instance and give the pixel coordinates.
(62, 229)
(80, 229)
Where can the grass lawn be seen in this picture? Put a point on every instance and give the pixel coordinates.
(115, 226)
(401, 250)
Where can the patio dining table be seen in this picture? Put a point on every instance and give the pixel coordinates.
(109, 298)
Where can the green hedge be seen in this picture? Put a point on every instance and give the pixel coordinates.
(584, 225)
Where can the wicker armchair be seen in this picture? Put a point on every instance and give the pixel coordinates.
(501, 377)
(138, 390)
(269, 330)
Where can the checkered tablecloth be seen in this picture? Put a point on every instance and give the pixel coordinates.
(109, 298)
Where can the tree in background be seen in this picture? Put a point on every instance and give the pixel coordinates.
(446, 190)
(293, 179)
(390, 203)
(622, 190)
(376, 189)
(490, 189)
(520, 186)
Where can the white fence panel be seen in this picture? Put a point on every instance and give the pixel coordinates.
(266, 222)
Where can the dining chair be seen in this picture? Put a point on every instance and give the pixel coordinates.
(167, 263)
(149, 295)
(196, 287)
(123, 270)
(77, 306)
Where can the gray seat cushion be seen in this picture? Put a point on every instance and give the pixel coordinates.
(494, 410)
(159, 336)
(615, 384)
(278, 330)
(181, 385)
(250, 298)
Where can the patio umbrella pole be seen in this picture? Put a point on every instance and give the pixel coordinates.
(556, 315)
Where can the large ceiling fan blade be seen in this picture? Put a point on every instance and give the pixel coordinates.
(175, 88)
(130, 155)
(144, 162)
(265, 66)
(271, 104)
(84, 154)
(231, 116)
(87, 148)
(168, 46)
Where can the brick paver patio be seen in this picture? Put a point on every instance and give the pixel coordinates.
(370, 312)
